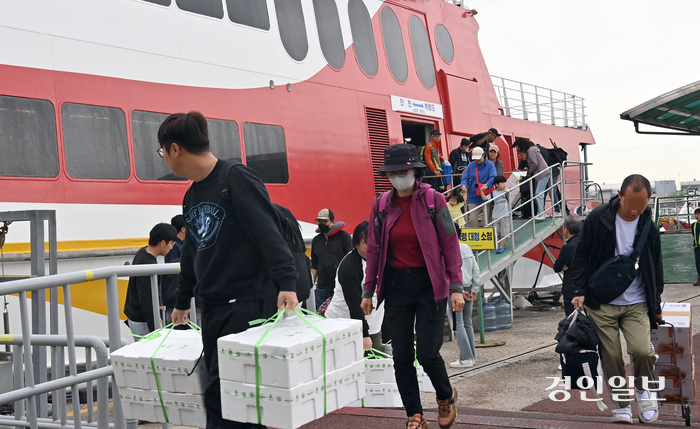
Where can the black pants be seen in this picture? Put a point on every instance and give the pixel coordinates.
(409, 298)
(218, 321)
(697, 260)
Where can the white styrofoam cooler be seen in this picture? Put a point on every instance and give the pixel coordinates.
(291, 353)
(289, 408)
(183, 409)
(379, 371)
(173, 360)
(380, 395)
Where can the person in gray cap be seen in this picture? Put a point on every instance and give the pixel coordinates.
(328, 248)
(483, 140)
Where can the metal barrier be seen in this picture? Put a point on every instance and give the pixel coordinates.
(531, 102)
(675, 214)
(29, 396)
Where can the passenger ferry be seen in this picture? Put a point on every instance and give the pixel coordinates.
(307, 93)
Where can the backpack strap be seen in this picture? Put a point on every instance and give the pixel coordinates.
(224, 176)
(431, 205)
(642, 241)
(381, 214)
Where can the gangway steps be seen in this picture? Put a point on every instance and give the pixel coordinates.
(525, 240)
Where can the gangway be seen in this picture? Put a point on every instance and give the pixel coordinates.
(527, 234)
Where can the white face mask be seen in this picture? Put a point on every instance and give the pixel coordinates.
(404, 183)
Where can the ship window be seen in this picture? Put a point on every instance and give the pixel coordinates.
(444, 43)
(266, 152)
(290, 18)
(393, 44)
(329, 33)
(422, 54)
(160, 2)
(213, 8)
(144, 129)
(224, 141)
(28, 143)
(94, 139)
(252, 13)
(363, 37)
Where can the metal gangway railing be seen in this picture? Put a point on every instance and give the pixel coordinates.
(676, 214)
(535, 103)
(30, 397)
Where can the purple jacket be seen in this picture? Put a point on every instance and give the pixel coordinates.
(439, 243)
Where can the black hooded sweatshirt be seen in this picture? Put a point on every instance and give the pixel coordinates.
(596, 246)
(233, 249)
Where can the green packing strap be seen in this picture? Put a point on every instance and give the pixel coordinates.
(258, 377)
(153, 335)
(377, 354)
(323, 356)
(194, 327)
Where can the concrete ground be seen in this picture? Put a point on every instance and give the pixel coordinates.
(502, 383)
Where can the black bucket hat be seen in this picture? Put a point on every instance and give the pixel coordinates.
(400, 157)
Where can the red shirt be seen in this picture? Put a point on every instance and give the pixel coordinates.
(404, 249)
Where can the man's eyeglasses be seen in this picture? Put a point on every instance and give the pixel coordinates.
(160, 152)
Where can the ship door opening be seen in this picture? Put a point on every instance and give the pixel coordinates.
(416, 133)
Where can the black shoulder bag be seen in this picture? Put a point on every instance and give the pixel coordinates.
(614, 277)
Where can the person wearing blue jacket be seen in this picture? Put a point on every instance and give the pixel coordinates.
(479, 174)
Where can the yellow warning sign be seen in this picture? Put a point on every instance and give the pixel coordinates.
(479, 238)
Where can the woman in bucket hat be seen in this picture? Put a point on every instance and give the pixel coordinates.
(414, 264)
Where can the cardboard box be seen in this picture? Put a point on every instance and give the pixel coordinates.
(680, 316)
(289, 408)
(291, 353)
(673, 383)
(177, 356)
(381, 395)
(183, 409)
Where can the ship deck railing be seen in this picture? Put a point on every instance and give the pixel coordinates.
(536, 103)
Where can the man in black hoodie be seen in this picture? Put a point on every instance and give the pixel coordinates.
(609, 230)
(138, 306)
(234, 259)
(328, 248)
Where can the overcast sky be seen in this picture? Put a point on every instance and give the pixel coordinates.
(616, 55)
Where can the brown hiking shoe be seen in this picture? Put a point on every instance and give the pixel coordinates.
(417, 422)
(697, 283)
(447, 412)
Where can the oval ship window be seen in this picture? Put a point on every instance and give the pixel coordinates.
(363, 37)
(212, 8)
(290, 19)
(252, 13)
(266, 151)
(224, 141)
(144, 132)
(393, 44)
(444, 43)
(160, 2)
(329, 33)
(422, 55)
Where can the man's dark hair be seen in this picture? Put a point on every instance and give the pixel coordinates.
(160, 232)
(360, 233)
(637, 182)
(178, 221)
(522, 144)
(573, 224)
(499, 179)
(189, 130)
(464, 142)
(696, 211)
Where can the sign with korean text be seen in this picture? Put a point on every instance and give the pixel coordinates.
(403, 104)
(479, 238)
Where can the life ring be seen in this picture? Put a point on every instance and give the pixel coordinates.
(693, 206)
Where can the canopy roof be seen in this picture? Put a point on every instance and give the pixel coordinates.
(677, 110)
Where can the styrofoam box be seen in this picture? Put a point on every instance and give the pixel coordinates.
(183, 409)
(291, 408)
(424, 383)
(291, 353)
(173, 360)
(379, 371)
(381, 395)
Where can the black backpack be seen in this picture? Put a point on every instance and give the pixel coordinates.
(290, 230)
(553, 156)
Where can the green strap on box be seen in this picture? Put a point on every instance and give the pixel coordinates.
(258, 376)
(151, 336)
